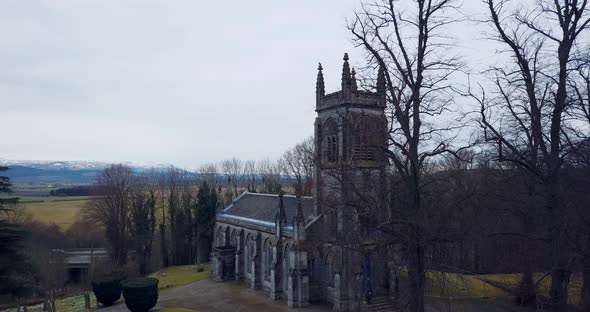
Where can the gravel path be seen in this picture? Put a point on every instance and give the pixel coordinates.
(209, 296)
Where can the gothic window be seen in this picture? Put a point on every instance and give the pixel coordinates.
(311, 267)
(330, 136)
(267, 260)
(220, 237)
(330, 270)
(250, 255)
(365, 139)
(234, 239)
(286, 266)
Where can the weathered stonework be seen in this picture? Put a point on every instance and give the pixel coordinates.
(222, 263)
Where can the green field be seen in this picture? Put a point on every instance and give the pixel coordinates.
(179, 276)
(63, 211)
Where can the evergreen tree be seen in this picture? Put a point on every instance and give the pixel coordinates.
(207, 201)
(15, 266)
(5, 189)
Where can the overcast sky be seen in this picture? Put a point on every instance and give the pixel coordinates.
(181, 82)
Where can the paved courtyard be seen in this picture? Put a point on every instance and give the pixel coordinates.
(209, 296)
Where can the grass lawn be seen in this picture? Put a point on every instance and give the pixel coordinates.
(179, 275)
(68, 304)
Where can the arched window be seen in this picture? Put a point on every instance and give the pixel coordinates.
(233, 241)
(286, 266)
(311, 268)
(250, 254)
(220, 237)
(267, 260)
(365, 138)
(330, 141)
(330, 270)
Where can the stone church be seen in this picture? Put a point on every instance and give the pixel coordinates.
(325, 248)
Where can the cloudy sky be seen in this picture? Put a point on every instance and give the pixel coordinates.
(181, 82)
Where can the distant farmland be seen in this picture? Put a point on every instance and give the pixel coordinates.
(63, 211)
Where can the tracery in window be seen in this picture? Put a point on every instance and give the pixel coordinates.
(365, 139)
(330, 136)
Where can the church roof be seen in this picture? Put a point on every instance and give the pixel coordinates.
(263, 208)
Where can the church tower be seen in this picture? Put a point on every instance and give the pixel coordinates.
(350, 172)
(351, 141)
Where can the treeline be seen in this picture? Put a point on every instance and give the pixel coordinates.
(292, 172)
(166, 217)
(81, 190)
(166, 209)
(528, 106)
(482, 216)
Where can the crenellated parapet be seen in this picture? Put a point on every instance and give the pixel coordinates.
(349, 95)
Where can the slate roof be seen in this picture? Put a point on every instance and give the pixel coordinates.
(264, 207)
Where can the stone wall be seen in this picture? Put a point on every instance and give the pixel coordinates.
(223, 263)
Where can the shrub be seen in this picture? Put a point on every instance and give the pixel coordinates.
(141, 294)
(107, 288)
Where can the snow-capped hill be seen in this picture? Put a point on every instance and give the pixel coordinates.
(55, 165)
(75, 165)
(42, 172)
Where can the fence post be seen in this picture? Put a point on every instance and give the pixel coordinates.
(87, 300)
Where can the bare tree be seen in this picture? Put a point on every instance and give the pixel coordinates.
(249, 174)
(298, 163)
(143, 220)
(180, 199)
(52, 271)
(531, 101)
(209, 173)
(161, 199)
(16, 213)
(232, 168)
(580, 83)
(270, 176)
(112, 210)
(404, 39)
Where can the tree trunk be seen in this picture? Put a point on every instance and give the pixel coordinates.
(416, 273)
(586, 278)
(527, 293)
(558, 251)
(165, 260)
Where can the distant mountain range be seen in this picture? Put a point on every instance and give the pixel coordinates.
(26, 172)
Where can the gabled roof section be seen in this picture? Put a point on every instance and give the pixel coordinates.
(263, 208)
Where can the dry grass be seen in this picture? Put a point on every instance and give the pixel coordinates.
(453, 285)
(512, 281)
(63, 211)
